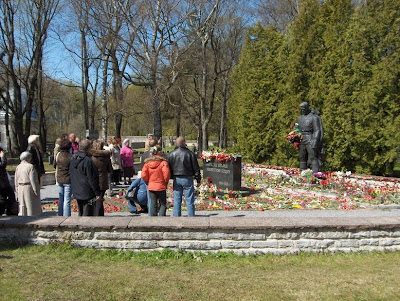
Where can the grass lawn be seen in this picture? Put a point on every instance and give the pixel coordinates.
(67, 273)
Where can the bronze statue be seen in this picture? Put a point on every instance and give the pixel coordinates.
(310, 148)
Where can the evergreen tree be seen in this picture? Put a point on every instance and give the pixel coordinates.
(377, 101)
(343, 58)
(257, 93)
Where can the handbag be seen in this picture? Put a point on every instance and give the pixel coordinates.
(132, 194)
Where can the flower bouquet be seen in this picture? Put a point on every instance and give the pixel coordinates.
(295, 136)
(219, 156)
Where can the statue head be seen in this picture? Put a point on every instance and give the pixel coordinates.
(305, 108)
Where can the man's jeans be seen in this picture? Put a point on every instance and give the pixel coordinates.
(64, 199)
(183, 186)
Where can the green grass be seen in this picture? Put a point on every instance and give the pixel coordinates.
(63, 272)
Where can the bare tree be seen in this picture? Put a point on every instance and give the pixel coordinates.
(226, 43)
(277, 12)
(158, 29)
(115, 41)
(23, 47)
(203, 21)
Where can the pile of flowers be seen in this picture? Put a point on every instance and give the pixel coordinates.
(217, 155)
(274, 187)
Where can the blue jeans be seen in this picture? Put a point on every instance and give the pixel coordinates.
(183, 186)
(64, 199)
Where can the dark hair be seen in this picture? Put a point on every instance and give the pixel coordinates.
(1, 149)
(65, 145)
(64, 136)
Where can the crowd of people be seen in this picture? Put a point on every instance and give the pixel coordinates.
(86, 169)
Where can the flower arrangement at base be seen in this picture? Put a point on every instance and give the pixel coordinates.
(218, 156)
(295, 136)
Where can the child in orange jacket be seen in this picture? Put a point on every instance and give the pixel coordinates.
(156, 174)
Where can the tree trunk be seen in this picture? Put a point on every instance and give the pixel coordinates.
(203, 99)
(41, 115)
(178, 122)
(7, 124)
(222, 143)
(104, 100)
(200, 139)
(118, 94)
(156, 114)
(85, 78)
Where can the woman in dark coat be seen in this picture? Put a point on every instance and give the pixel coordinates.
(61, 163)
(101, 159)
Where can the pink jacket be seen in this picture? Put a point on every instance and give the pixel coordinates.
(126, 156)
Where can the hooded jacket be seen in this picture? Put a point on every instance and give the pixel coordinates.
(102, 160)
(156, 173)
(84, 177)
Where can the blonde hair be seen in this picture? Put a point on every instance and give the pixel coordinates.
(98, 144)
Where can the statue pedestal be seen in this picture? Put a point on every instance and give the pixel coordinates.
(225, 175)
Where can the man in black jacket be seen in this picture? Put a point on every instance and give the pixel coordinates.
(7, 195)
(84, 179)
(184, 166)
(37, 158)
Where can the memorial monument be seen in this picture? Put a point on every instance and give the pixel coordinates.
(310, 148)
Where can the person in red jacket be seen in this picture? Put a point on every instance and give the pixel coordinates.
(156, 174)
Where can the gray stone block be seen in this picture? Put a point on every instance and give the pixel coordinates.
(161, 223)
(304, 244)
(360, 234)
(147, 235)
(171, 244)
(375, 233)
(185, 235)
(94, 222)
(348, 243)
(269, 244)
(112, 235)
(223, 235)
(48, 234)
(235, 244)
(251, 236)
(284, 235)
(285, 244)
(250, 223)
(199, 245)
(369, 242)
(333, 234)
(389, 242)
(323, 244)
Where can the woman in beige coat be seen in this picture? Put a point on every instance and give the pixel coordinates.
(27, 187)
